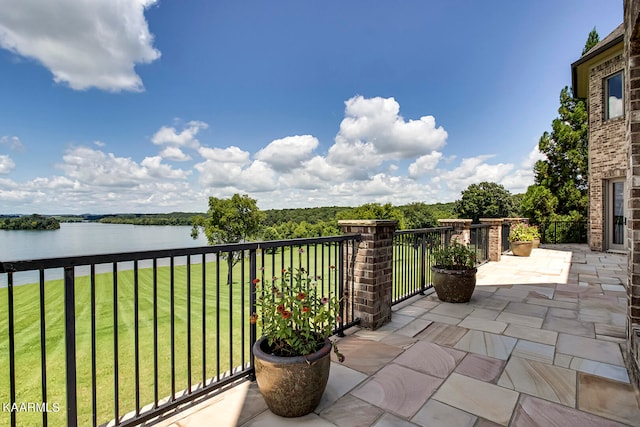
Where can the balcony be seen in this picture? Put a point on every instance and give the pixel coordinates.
(540, 344)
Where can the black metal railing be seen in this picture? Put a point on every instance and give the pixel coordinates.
(126, 337)
(563, 232)
(479, 240)
(506, 244)
(412, 260)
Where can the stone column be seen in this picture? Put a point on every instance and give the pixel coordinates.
(461, 229)
(495, 237)
(373, 270)
(632, 187)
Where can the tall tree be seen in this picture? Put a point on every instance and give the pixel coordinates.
(484, 200)
(565, 170)
(592, 40)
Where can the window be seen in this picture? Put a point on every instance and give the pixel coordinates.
(613, 96)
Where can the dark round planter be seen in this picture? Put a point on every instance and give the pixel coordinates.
(521, 248)
(291, 386)
(453, 285)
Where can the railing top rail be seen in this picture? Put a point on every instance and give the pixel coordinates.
(72, 261)
(423, 230)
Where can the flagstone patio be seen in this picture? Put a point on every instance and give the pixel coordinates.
(540, 344)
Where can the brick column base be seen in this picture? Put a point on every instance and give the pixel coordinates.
(372, 273)
(495, 237)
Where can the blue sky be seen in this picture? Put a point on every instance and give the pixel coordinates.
(111, 106)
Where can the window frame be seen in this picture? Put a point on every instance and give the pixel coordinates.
(607, 80)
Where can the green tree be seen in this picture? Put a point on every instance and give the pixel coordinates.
(374, 211)
(418, 215)
(484, 200)
(592, 40)
(538, 204)
(565, 170)
(233, 220)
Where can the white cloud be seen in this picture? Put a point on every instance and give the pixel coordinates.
(473, 170)
(424, 164)
(175, 154)
(377, 121)
(186, 138)
(288, 153)
(13, 142)
(156, 169)
(288, 172)
(84, 43)
(6, 164)
(94, 167)
(230, 154)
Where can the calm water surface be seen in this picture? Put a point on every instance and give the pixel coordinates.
(89, 238)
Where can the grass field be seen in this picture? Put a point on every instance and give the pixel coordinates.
(227, 313)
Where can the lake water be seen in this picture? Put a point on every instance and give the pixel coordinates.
(89, 238)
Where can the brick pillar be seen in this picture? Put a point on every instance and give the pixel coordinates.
(632, 187)
(461, 229)
(373, 270)
(495, 237)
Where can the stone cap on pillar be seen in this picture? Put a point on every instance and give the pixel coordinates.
(492, 221)
(459, 223)
(367, 222)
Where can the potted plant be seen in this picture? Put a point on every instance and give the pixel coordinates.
(535, 231)
(454, 272)
(293, 356)
(521, 237)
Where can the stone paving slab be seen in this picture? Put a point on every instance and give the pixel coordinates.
(539, 344)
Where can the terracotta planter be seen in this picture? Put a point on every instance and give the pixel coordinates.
(536, 243)
(291, 386)
(453, 285)
(521, 248)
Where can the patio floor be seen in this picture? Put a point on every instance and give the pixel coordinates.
(538, 345)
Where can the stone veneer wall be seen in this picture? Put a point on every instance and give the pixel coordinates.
(607, 148)
(632, 105)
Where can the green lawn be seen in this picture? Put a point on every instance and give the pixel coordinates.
(224, 330)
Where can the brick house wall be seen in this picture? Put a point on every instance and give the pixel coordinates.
(632, 106)
(607, 148)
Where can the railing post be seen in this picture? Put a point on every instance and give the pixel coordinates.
(373, 270)
(253, 331)
(495, 237)
(461, 229)
(70, 344)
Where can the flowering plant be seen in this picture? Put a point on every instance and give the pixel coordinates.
(294, 316)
